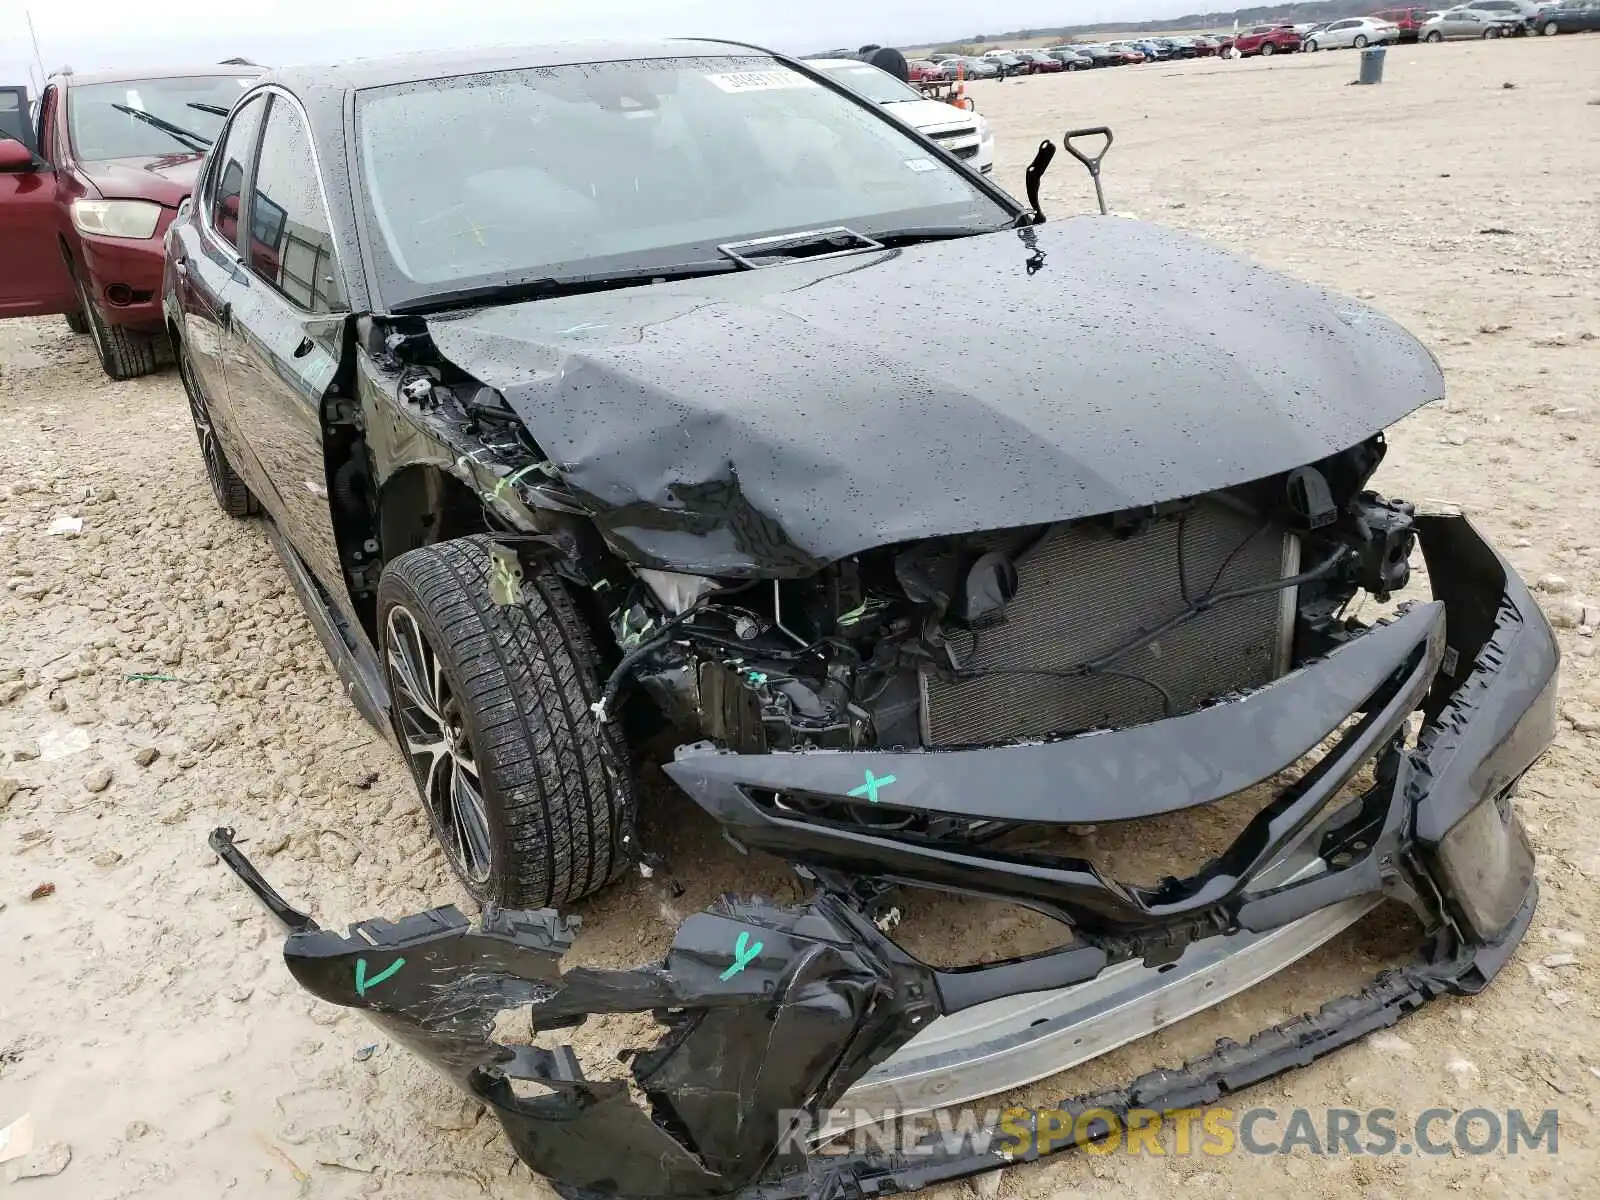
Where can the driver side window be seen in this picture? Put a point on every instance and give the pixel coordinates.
(225, 183)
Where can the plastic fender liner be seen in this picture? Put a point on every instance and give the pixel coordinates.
(767, 1010)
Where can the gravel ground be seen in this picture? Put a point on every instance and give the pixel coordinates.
(157, 679)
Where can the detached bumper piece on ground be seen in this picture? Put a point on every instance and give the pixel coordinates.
(769, 1010)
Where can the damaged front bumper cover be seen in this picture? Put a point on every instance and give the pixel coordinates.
(773, 1015)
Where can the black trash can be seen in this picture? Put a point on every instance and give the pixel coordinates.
(1372, 64)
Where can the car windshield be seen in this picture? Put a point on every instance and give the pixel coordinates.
(876, 85)
(489, 180)
(144, 118)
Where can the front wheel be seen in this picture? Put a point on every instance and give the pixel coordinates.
(491, 708)
(123, 353)
(1360, 42)
(1312, 46)
(1434, 36)
(1491, 32)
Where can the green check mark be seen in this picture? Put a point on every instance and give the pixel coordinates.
(363, 983)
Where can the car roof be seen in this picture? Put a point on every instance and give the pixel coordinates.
(134, 74)
(358, 73)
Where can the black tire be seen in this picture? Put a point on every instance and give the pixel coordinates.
(1434, 36)
(1550, 29)
(123, 353)
(77, 322)
(1268, 49)
(233, 497)
(1360, 41)
(1312, 46)
(511, 693)
(1490, 32)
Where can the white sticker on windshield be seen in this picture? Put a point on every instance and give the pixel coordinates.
(921, 164)
(760, 81)
(134, 101)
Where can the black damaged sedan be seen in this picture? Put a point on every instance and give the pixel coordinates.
(597, 394)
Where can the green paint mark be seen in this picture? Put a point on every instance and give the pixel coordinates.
(756, 677)
(854, 615)
(146, 677)
(869, 789)
(363, 984)
(744, 954)
(512, 480)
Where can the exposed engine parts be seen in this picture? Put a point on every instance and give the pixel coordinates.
(1037, 632)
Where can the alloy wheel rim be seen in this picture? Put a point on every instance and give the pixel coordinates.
(435, 741)
(210, 451)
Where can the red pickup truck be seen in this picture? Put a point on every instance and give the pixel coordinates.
(1268, 40)
(90, 178)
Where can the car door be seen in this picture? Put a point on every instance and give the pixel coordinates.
(208, 268)
(33, 275)
(286, 337)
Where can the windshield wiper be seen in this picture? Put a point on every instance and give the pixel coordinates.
(216, 110)
(568, 285)
(198, 142)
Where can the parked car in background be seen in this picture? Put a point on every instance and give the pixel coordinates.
(1357, 32)
(1206, 46)
(1267, 40)
(1183, 47)
(968, 66)
(919, 70)
(1098, 55)
(1040, 63)
(1129, 52)
(1457, 24)
(1073, 58)
(1407, 20)
(86, 199)
(1154, 51)
(1520, 14)
(1575, 16)
(963, 132)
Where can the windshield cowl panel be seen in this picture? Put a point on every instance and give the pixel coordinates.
(476, 182)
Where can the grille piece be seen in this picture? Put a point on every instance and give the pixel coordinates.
(1083, 592)
(947, 135)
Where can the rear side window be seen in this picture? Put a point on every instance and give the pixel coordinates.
(291, 243)
(225, 184)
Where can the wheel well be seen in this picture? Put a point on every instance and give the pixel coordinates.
(420, 505)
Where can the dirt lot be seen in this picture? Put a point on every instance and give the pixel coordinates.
(146, 1021)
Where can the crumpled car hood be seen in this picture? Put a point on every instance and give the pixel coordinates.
(774, 420)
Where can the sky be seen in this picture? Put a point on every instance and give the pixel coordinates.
(94, 34)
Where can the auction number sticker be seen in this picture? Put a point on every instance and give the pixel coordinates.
(760, 81)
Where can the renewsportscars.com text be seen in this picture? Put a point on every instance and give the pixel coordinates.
(1212, 1132)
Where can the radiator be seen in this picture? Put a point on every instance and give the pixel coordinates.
(1084, 591)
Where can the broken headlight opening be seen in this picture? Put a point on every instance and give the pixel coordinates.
(1039, 632)
(888, 720)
